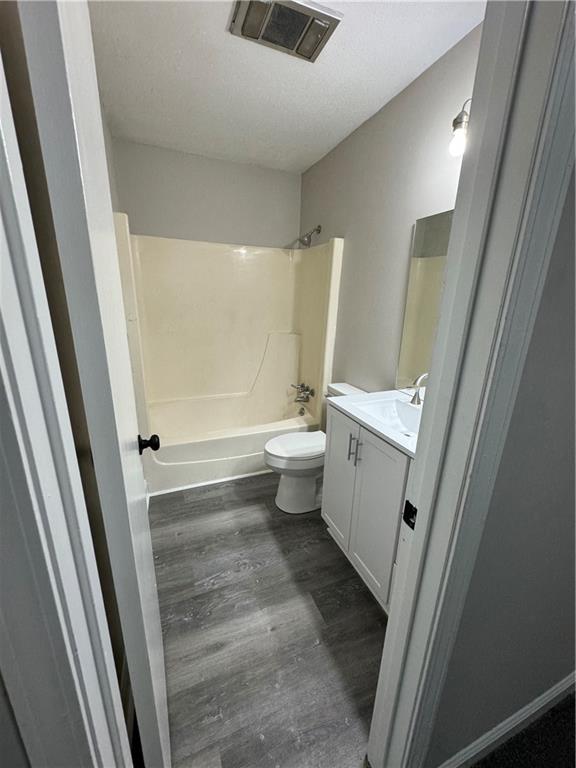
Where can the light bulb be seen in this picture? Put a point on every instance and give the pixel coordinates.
(458, 143)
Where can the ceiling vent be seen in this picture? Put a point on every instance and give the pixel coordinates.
(301, 29)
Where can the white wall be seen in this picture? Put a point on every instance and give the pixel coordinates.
(173, 194)
(516, 638)
(110, 162)
(370, 190)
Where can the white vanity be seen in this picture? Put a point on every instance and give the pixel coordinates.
(371, 439)
(371, 436)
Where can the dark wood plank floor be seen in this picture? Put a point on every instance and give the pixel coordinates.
(272, 641)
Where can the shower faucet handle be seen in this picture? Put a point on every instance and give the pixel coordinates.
(304, 392)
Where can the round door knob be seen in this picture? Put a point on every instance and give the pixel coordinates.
(152, 442)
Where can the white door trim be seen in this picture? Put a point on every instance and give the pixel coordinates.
(54, 641)
(60, 59)
(513, 185)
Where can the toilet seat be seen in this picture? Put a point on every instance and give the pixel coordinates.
(297, 446)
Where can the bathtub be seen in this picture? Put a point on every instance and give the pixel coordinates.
(217, 333)
(216, 437)
(219, 455)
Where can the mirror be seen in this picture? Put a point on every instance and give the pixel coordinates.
(425, 283)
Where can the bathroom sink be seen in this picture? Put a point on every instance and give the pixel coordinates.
(389, 415)
(399, 415)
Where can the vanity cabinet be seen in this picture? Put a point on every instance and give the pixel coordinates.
(342, 435)
(364, 485)
(380, 481)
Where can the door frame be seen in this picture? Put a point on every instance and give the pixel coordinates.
(59, 54)
(470, 399)
(55, 652)
(513, 185)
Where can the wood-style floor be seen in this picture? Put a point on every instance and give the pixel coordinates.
(272, 641)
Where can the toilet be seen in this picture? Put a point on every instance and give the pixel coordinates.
(298, 457)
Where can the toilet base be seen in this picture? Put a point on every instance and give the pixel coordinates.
(298, 494)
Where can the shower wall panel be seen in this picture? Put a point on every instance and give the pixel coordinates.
(206, 312)
(315, 309)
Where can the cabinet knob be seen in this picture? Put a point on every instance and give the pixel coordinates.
(357, 456)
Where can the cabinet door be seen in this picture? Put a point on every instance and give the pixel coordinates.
(378, 495)
(339, 471)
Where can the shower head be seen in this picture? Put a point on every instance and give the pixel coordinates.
(306, 240)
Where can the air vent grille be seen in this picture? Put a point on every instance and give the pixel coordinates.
(300, 29)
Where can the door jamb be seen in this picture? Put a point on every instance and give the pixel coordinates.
(60, 60)
(470, 405)
(72, 645)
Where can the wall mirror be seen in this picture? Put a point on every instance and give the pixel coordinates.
(427, 263)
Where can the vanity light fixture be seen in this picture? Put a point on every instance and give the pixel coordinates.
(460, 129)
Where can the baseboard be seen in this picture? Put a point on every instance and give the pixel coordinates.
(208, 482)
(512, 725)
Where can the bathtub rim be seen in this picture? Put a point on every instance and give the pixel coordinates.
(265, 431)
(307, 422)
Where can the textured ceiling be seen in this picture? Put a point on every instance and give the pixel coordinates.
(171, 75)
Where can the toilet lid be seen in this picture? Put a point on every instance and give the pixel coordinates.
(298, 445)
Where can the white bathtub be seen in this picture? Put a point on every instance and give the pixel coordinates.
(224, 454)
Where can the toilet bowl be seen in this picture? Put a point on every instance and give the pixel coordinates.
(298, 457)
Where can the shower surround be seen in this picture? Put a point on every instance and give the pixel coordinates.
(217, 335)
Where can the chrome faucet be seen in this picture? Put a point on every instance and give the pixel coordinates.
(304, 392)
(416, 399)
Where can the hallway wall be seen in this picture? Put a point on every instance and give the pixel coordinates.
(516, 637)
(11, 746)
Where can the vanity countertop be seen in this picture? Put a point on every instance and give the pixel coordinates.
(389, 415)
